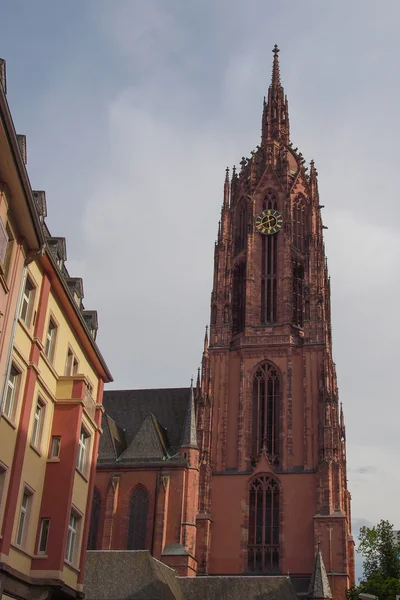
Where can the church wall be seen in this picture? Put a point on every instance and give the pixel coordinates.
(118, 522)
(230, 509)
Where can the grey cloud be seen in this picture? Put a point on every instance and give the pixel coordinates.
(130, 137)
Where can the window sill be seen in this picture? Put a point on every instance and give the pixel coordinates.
(41, 555)
(25, 327)
(22, 550)
(71, 566)
(38, 452)
(49, 364)
(82, 475)
(55, 459)
(9, 421)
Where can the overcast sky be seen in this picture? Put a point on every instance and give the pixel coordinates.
(132, 111)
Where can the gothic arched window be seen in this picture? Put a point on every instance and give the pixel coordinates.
(269, 269)
(299, 223)
(239, 297)
(94, 520)
(263, 545)
(139, 506)
(298, 295)
(266, 402)
(241, 227)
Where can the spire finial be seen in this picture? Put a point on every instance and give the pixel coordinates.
(206, 340)
(198, 377)
(276, 78)
(226, 189)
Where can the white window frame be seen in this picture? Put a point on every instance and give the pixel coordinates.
(51, 336)
(38, 420)
(27, 302)
(73, 532)
(12, 388)
(83, 450)
(43, 536)
(24, 514)
(55, 444)
(71, 364)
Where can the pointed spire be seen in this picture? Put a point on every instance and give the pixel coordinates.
(198, 378)
(189, 433)
(276, 76)
(319, 588)
(206, 341)
(275, 120)
(226, 190)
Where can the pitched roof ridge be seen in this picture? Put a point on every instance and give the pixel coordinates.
(147, 389)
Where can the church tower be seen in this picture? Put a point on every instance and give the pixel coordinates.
(271, 430)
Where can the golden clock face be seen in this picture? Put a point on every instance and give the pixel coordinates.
(269, 221)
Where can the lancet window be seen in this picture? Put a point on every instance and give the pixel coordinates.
(298, 295)
(241, 227)
(299, 223)
(263, 541)
(269, 269)
(239, 297)
(139, 506)
(266, 406)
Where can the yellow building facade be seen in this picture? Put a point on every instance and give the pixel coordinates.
(51, 405)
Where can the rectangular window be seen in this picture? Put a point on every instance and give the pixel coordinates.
(11, 393)
(43, 536)
(71, 365)
(50, 340)
(37, 428)
(72, 537)
(7, 260)
(24, 517)
(55, 447)
(27, 302)
(81, 458)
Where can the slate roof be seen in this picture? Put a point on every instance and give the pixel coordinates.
(237, 588)
(135, 574)
(142, 426)
(319, 583)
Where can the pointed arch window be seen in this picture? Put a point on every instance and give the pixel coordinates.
(139, 507)
(298, 294)
(94, 520)
(299, 223)
(266, 406)
(269, 269)
(239, 297)
(263, 541)
(241, 227)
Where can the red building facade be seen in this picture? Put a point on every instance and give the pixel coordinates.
(264, 480)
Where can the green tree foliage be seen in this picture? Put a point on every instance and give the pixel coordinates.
(381, 572)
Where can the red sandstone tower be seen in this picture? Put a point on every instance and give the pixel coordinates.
(271, 432)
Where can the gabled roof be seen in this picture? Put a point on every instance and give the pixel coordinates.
(152, 423)
(150, 443)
